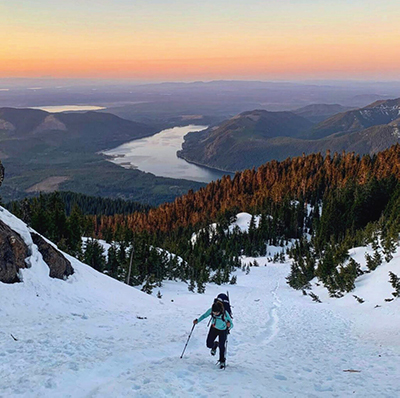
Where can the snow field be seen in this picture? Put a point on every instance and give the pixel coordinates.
(92, 336)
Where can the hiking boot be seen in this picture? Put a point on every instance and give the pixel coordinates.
(222, 364)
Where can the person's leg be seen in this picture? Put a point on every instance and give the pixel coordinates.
(222, 340)
(212, 334)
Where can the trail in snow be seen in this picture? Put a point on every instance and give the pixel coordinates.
(95, 337)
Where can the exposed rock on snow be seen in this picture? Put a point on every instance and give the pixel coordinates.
(59, 266)
(13, 252)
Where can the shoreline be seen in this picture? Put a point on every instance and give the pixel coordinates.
(180, 156)
(204, 173)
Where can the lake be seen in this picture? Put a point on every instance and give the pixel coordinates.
(157, 155)
(68, 108)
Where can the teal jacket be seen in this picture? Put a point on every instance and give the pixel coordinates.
(217, 321)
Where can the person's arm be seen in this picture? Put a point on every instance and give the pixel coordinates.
(229, 319)
(205, 315)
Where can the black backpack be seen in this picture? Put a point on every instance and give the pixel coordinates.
(224, 299)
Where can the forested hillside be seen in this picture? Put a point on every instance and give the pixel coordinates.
(312, 208)
(306, 178)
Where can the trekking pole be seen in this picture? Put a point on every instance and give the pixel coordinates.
(226, 348)
(187, 340)
(229, 299)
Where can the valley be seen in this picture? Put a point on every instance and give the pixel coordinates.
(47, 151)
(157, 155)
(38, 147)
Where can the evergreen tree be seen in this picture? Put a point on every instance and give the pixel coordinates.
(149, 285)
(326, 266)
(389, 247)
(74, 235)
(112, 266)
(191, 285)
(395, 282)
(297, 279)
(93, 255)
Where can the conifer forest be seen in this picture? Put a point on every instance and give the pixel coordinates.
(315, 208)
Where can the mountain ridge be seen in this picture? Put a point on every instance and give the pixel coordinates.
(349, 131)
(377, 113)
(247, 128)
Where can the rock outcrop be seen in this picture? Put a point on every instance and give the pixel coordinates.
(13, 252)
(59, 266)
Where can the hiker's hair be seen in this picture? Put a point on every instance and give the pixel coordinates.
(218, 307)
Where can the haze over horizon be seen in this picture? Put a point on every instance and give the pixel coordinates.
(187, 41)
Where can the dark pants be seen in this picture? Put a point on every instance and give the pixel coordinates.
(212, 335)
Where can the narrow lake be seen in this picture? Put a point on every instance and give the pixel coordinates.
(68, 108)
(157, 155)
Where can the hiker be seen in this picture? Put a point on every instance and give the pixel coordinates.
(221, 323)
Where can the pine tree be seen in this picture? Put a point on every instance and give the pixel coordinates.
(377, 258)
(347, 275)
(297, 279)
(149, 285)
(395, 282)
(112, 265)
(326, 266)
(191, 285)
(370, 263)
(93, 255)
(74, 227)
(389, 247)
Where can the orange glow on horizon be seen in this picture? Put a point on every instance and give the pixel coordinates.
(302, 64)
(282, 40)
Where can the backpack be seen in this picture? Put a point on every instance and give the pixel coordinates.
(224, 299)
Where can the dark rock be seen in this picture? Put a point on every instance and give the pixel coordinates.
(13, 252)
(59, 266)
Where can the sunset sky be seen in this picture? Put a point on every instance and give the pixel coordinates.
(191, 40)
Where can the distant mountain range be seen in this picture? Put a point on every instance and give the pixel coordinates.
(253, 138)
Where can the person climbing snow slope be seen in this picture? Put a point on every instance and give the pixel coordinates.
(221, 324)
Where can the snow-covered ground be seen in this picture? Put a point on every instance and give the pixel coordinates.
(92, 336)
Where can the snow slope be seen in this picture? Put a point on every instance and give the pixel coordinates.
(92, 336)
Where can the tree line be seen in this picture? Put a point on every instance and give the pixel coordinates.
(304, 178)
(325, 205)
